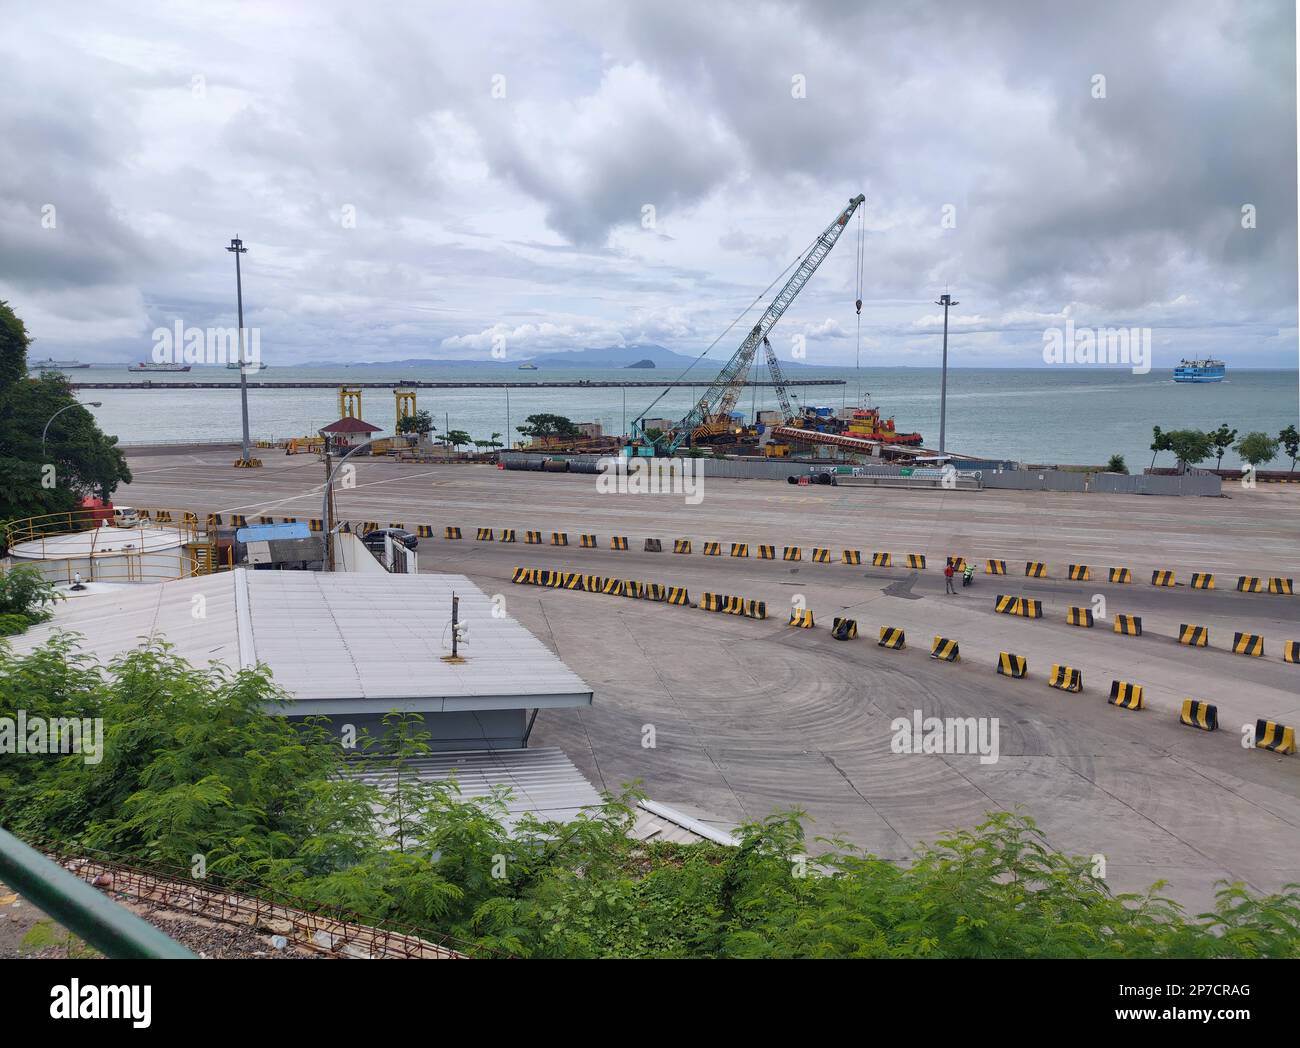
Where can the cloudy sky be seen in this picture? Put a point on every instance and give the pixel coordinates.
(417, 180)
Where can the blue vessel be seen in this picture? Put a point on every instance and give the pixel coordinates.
(1200, 371)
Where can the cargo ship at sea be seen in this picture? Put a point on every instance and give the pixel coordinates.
(150, 365)
(1200, 371)
(50, 364)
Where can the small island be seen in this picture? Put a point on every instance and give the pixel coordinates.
(647, 363)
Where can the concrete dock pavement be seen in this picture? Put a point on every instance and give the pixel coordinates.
(751, 716)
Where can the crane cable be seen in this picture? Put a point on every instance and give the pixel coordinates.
(757, 298)
(857, 355)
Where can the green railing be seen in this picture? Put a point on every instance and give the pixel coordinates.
(112, 929)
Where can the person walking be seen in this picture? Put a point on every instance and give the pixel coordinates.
(947, 577)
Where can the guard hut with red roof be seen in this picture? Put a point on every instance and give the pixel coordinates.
(351, 429)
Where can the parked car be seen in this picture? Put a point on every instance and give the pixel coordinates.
(125, 517)
(374, 540)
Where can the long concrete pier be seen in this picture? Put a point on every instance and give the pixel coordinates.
(578, 384)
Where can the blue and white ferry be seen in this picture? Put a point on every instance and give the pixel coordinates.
(1200, 371)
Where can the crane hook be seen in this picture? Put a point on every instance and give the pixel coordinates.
(859, 306)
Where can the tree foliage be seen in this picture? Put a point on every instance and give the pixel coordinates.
(76, 460)
(546, 427)
(1289, 438)
(194, 765)
(1257, 448)
(1221, 440)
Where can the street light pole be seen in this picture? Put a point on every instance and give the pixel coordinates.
(237, 247)
(945, 300)
(66, 407)
(326, 514)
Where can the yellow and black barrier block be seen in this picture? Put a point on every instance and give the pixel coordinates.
(801, 618)
(681, 545)
(740, 549)
(213, 520)
(1079, 617)
(892, 637)
(821, 556)
(1014, 666)
(1283, 586)
(1025, 607)
(1194, 636)
(587, 541)
(1080, 573)
(755, 609)
(346, 526)
(1291, 651)
(192, 519)
(398, 524)
(620, 542)
(164, 515)
(1202, 580)
(236, 519)
(882, 560)
(613, 587)
(532, 538)
(524, 575)
(792, 553)
(1251, 644)
(1125, 695)
(713, 549)
(559, 538)
(546, 577)
(1065, 678)
(1269, 735)
(144, 514)
(851, 556)
(945, 650)
(1250, 584)
(958, 564)
(315, 524)
(656, 591)
(1199, 715)
(710, 602)
(484, 535)
(573, 580)
(766, 552)
(424, 531)
(1035, 569)
(634, 588)
(507, 535)
(1123, 575)
(916, 561)
(452, 532)
(1162, 578)
(844, 629)
(995, 567)
(649, 546)
(678, 595)
(1128, 625)
(592, 583)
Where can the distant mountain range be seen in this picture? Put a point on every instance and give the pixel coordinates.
(609, 357)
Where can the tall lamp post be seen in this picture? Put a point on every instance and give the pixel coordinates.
(327, 524)
(945, 300)
(237, 247)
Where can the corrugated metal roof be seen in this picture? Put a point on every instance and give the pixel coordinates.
(337, 642)
(542, 781)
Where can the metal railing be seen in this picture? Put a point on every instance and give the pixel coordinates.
(112, 929)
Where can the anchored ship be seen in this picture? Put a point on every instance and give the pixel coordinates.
(50, 364)
(149, 365)
(1200, 371)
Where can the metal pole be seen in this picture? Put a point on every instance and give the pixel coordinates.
(945, 300)
(327, 505)
(455, 621)
(507, 418)
(67, 407)
(112, 929)
(237, 247)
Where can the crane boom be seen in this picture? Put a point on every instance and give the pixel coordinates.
(778, 380)
(722, 393)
